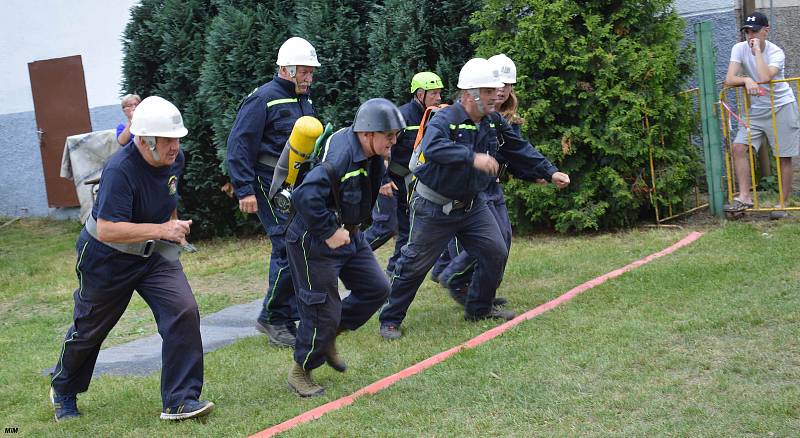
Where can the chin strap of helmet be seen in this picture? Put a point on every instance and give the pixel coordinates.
(424, 96)
(151, 144)
(476, 96)
(372, 145)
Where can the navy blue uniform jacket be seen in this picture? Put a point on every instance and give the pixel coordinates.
(451, 141)
(412, 113)
(262, 126)
(359, 180)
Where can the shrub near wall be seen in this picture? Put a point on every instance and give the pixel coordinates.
(588, 72)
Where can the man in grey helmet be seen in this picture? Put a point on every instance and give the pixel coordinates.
(324, 243)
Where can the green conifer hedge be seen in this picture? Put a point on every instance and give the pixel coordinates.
(588, 73)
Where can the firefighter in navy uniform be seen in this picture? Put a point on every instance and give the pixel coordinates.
(458, 147)
(390, 215)
(125, 246)
(257, 138)
(324, 242)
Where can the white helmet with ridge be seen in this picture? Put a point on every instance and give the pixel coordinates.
(157, 117)
(506, 67)
(479, 73)
(297, 51)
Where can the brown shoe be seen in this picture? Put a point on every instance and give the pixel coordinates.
(300, 382)
(332, 356)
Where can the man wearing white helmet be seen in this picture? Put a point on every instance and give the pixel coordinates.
(458, 273)
(262, 126)
(457, 163)
(131, 241)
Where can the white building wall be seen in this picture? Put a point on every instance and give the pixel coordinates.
(44, 29)
(33, 30)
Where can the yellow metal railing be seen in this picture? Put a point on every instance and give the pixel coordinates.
(728, 115)
(700, 199)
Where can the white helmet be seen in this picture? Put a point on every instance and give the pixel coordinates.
(479, 73)
(504, 64)
(157, 117)
(297, 51)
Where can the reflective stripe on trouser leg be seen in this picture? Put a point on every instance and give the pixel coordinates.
(279, 305)
(315, 277)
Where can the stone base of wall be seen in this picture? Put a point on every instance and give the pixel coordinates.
(22, 191)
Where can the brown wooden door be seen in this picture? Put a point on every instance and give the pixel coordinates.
(62, 109)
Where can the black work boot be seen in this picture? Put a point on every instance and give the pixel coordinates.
(459, 295)
(332, 356)
(300, 382)
(494, 313)
(278, 334)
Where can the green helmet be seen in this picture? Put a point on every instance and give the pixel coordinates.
(426, 80)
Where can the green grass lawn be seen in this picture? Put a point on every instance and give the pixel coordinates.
(704, 342)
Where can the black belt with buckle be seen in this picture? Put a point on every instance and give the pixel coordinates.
(466, 205)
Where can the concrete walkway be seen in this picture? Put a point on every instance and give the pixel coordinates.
(143, 356)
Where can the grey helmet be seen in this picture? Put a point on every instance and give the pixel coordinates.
(378, 115)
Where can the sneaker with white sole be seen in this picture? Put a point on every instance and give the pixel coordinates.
(66, 406)
(189, 409)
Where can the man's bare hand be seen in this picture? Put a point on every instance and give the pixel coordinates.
(176, 230)
(755, 46)
(388, 189)
(339, 238)
(560, 179)
(486, 164)
(248, 204)
(751, 86)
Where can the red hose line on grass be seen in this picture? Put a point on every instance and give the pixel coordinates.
(474, 342)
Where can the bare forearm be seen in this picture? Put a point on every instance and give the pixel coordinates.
(762, 69)
(128, 232)
(735, 81)
(125, 136)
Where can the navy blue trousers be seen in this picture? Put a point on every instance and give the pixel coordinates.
(431, 230)
(101, 300)
(280, 304)
(459, 271)
(389, 218)
(316, 269)
(441, 263)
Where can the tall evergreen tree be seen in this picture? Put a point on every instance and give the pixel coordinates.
(409, 36)
(241, 48)
(589, 74)
(336, 29)
(141, 43)
(240, 52)
(163, 57)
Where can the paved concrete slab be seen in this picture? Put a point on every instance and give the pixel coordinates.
(143, 356)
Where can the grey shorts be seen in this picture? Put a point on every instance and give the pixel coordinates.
(787, 120)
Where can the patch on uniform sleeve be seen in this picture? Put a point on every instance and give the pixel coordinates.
(173, 185)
